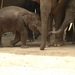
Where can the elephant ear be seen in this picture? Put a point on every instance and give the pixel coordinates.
(26, 18)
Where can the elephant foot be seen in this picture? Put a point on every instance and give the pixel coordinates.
(42, 46)
(24, 46)
(12, 43)
(30, 40)
(48, 44)
(58, 43)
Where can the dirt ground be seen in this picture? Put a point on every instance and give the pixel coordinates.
(34, 48)
(33, 61)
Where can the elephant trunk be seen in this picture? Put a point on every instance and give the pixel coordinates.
(62, 28)
(43, 36)
(55, 32)
(45, 6)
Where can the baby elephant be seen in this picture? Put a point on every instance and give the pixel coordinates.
(16, 19)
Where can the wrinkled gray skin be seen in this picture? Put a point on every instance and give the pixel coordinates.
(69, 18)
(16, 19)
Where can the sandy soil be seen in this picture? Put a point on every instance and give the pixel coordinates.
(33, 61)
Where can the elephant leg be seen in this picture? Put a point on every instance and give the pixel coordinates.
(49, 28)
(44, 40)
(59, 15)
(16, 39)
(69, 18)
(58, 18)
(45, 11)
(59, 40)
(58, 37)
(30, 35)
(23, 35)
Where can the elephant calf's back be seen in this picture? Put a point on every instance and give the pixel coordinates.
(10, 10)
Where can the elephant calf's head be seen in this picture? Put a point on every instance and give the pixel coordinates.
(33, 21)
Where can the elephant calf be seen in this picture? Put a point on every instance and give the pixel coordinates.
(17, 19)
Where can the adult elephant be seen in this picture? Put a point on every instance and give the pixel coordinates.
(69, 18)
(45, 9)
(27, 4)
(52, 9)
